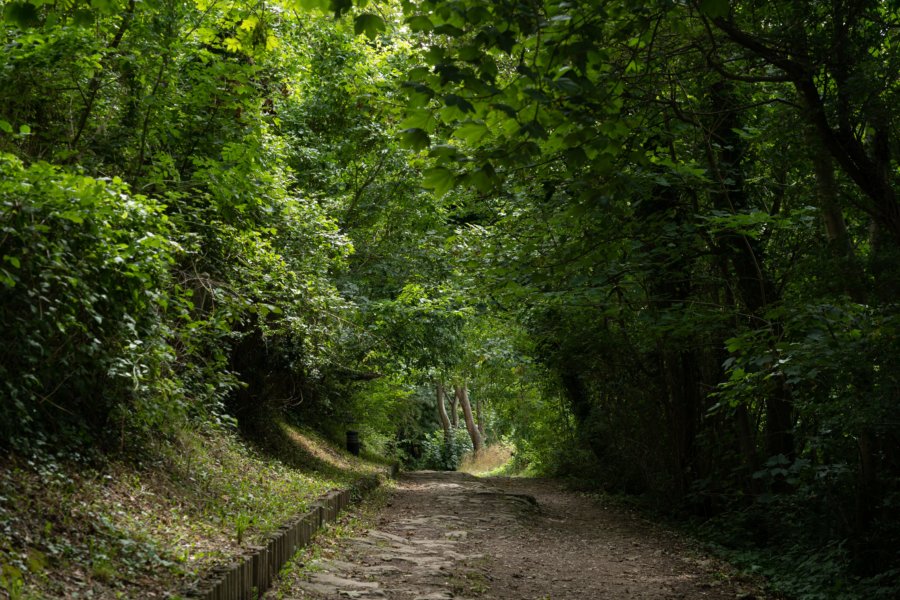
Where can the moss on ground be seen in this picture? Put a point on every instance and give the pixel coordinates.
(148, 528)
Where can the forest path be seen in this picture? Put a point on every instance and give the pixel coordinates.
(451, 535)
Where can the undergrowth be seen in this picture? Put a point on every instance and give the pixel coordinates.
(796, 570)
(72, 528)
(492, 460)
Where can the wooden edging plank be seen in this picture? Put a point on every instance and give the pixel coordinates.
(254, 573)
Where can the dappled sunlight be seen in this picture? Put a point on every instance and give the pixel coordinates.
(320, 450)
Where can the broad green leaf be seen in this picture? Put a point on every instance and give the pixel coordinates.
(478, 14)
(470, 53)
(370, 24)
(311, 5)
(232, 44)
(567, 85)
(418, 119)
(339, 7)
(104, 7)
(22, 14)
(435, 55)
(459, 102)
(445, 152)
(420, 23)
(448, 29)
(5, 126)
(415, 138)
(483, 178)
(418, 73)
(471, 131)
(438, 179)
(73, 216)
(83, 18)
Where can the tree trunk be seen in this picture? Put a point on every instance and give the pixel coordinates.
(442, 412)
(454, 412)
(478, 418)
(94, 85)
(851, 278)
(462, 394)
(757, 290)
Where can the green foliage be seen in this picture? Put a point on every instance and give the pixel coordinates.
(85, 270)
(651, 216)
(11, 581)
(657, 240)
(441, 456)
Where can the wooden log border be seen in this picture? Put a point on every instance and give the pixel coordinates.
(254, 572)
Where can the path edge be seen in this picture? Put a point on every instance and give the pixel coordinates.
(253, 572)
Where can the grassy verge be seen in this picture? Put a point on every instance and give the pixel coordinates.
(75, 529)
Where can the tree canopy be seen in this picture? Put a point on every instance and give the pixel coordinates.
(658, 243)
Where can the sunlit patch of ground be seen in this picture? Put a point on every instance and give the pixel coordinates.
(319, 449)
(490, 459)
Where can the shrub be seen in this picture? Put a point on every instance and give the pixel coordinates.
(82, 281)
(441, 456)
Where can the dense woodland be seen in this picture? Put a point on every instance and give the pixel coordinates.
(651, 245)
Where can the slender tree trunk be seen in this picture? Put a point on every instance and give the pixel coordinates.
(757, 290)
(93, 87)
(850, 276)
(454, 412)
(670, 286)
(462, 394)
(442, 412)
(478, 418)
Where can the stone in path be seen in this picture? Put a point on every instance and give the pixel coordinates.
(454, 536)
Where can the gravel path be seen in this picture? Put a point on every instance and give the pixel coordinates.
(451, 535)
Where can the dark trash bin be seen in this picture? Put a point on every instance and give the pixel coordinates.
(353, 442)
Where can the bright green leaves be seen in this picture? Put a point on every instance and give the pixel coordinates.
(512, 110)
(105, 7)
(323, 6)
(47, 12)
(565, 84)
(85, 264)
(370, 24)
(335, 7)
(419, 118)
(462, 104)
(6, 127)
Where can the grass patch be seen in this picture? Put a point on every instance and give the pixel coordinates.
(492, 460)
(76, 529)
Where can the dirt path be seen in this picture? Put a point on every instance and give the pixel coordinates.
(450, 535)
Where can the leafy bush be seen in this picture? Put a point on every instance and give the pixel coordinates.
(441, 456)
(82, 298)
